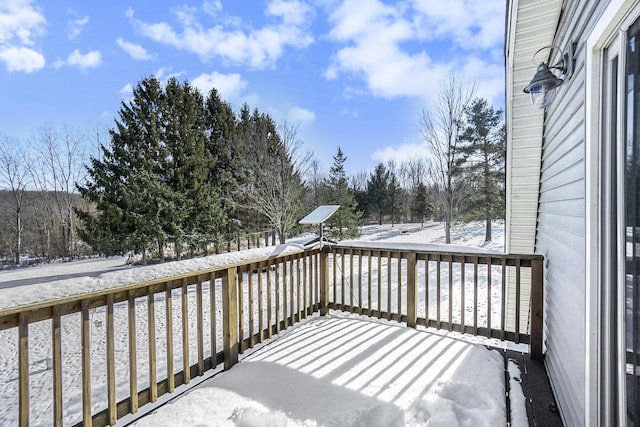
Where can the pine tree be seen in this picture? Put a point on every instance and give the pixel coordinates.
(358, 187)
(422, 206)
(394, 198)
(377, 192)
(344, 223)
(126, 185)
(152, 183)
(485, 140)
(224, 153)
(195, 207)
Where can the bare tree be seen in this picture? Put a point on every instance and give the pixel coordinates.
(100, 132)
(314, 181)
(278, 164)
(441, 127)
(14, 175)
(59, 169)
(411, 173)
(414, 171)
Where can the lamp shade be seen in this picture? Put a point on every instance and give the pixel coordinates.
(544, 78)
(542, 86)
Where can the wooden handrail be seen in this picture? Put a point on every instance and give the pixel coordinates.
(461, 271)
(260, 297)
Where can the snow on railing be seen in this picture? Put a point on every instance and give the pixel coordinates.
(181, 327)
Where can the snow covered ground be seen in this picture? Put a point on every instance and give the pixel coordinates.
(435, 402)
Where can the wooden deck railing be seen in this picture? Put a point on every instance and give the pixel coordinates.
(180, 327)
(462, 292)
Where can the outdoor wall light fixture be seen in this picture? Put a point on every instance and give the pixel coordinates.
(544, 83)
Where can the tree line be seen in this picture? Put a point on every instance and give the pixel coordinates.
(38, 197)
(460, 178)
(180, 172)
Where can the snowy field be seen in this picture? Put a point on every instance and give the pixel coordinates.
(45, 283)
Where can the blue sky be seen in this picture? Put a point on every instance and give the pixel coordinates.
(350, 73)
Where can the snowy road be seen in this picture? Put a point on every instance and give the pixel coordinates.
(60, 271)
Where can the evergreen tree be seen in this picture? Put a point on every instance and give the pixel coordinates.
(344, 223)
(152, 183)
(394, 198)
(422, 206)
(358, 186)
(224, 153)
(484, 136)
(126, 185)
(244, 138)
(377, 192)
(195, 208)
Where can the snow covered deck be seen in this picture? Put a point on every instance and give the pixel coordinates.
(343, 370)
(101, 350)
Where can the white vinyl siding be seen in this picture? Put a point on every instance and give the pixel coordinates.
(531, 25)
(554, 142)
(561, 224)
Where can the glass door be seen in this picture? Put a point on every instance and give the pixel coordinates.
(631, 256)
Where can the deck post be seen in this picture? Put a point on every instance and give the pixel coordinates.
(23, 369)
(324, 281)
(537, 309)
(412, 294)
(230, 317)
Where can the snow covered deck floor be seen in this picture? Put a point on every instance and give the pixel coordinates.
(344, 370)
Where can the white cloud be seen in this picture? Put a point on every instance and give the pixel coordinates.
(165, 73)
(229, 86)
(373, 34)
(79, 60)
(88, 60)
(350, 113)
(385, 46)
(292, 12)
(135, 51)
(299, 115)
(21, 59)
(127, 90)
(212, 7)
(472, 24)
(401, 153)
(21, 23)
(76, 25)
(256, 48)
(487, 76)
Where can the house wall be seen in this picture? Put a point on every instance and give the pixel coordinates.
(531, 25)
(561, 225)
